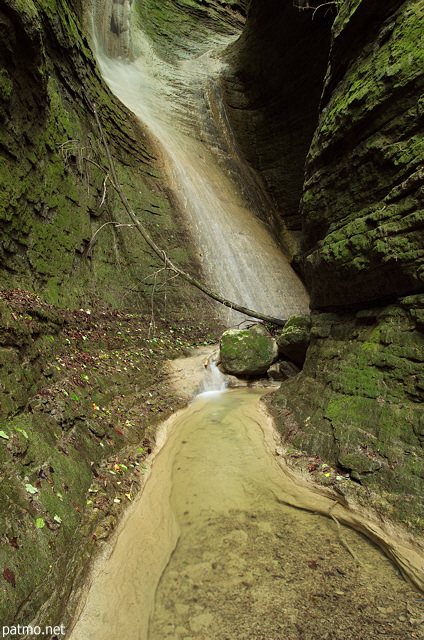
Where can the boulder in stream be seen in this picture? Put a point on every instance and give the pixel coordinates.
(294, 339)
(247, 352)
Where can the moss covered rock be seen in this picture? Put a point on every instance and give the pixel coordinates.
(358, 400)
(362, 202)
(293, 341)
(247, 352)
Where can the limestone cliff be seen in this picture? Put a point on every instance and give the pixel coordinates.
(349, 147)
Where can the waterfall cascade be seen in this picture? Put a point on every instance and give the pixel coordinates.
(214, 381)
(219, 195)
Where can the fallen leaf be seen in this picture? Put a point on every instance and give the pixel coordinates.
(24, 433)
(14, 542)
(9, 576)
(31, 489)
(63, 450)
(4, 435)
(39, 523)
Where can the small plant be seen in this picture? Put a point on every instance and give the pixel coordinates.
(310, 4)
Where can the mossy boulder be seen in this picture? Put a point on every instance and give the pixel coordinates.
(247, 352)
(294, 339)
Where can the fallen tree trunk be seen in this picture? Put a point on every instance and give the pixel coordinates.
(113, 177)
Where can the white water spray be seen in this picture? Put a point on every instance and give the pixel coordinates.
(214, 381)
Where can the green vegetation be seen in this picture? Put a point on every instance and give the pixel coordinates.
(363, 401)
(84, 388)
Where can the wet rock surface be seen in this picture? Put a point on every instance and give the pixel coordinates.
(358, 402)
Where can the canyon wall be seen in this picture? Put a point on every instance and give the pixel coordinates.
(64, 232)
(331, 115)
(326, 106)
(85, 309)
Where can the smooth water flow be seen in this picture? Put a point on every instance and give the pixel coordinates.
(214, 381)
(211, 551)
(241, 261)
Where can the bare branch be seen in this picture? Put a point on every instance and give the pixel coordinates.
(115, 224)
(159, 252)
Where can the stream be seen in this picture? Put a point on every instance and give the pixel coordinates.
(211, 550)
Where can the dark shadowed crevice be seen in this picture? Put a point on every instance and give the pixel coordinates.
(273, 90)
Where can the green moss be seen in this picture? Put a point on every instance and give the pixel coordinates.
(247, 352)
(6, 84)
(26, 8)
(357, 402)
(300, 322)
(361, 204)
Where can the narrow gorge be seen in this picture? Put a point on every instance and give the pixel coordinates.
(273, 151)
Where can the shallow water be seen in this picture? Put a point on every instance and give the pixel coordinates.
(210, 552)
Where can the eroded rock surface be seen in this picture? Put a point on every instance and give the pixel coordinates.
(358, 401)
(293, 341)
(358, 164)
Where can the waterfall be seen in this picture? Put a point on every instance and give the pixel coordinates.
(238, 254)
(214, 381)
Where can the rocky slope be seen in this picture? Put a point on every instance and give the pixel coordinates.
(74, 371)
(358, 400)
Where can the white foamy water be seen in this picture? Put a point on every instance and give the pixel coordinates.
(240, 259)
(214, 382)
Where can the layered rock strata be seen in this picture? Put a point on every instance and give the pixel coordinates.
(358, 176)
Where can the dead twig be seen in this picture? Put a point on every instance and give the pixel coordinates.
(115, 224)
(158, 251)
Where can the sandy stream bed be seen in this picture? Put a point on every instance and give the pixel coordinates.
(289, 584)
